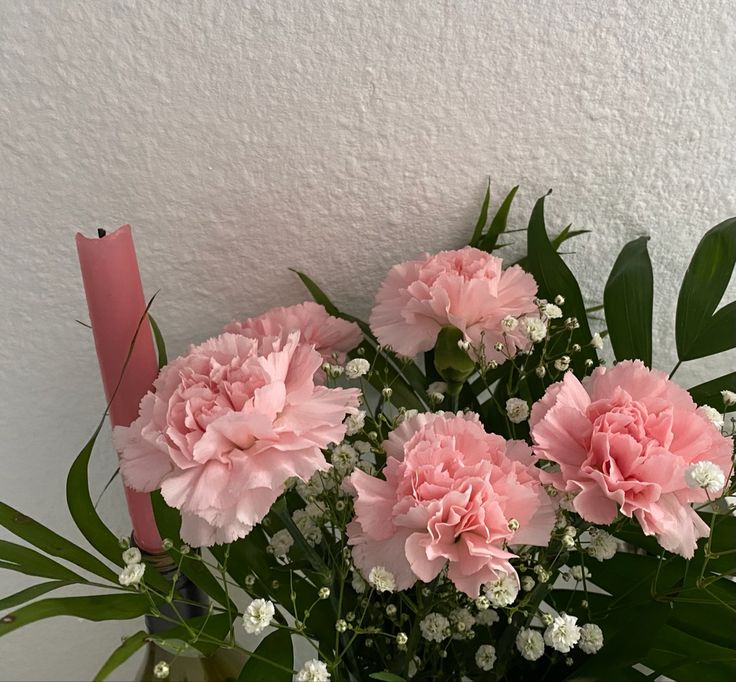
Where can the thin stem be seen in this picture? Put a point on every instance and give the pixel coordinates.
(675, 368)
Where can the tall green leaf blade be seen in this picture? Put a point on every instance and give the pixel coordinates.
(498, 224)
(49, 542)
(482, 218)
(278, 648)
(717, 335)
(709, 393)
(29, 561)
(158, 337)
(567, 233)
(122, 654)
(554, 277)
(30, 593)
(122, 606)
(628, 299)
(704, 284)
(83, 510)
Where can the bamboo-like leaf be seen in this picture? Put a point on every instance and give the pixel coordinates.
(49, 542)
(278, 648)
(30, 593)
(26, 560)
(709, 393)
(567, 233)
(121, 606)
(703, 286)
(717, 335)
(482, 218)
(158, 337)
(122, 654)
(498, 224)
(629, 300)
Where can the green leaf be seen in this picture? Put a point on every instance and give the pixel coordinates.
(498, 224)
(703, 286)
(482, 218)
(628, 299)
(29, 561)
(31, 593)
(554, 277)
(122, 606)
(317, 294)
(718, 334)
(122, 654)
(278, 649)
(215, 626)
(709, 393)
(567, 233)
(49, 542)
(386, 676)
(83, 510)
(160, 343)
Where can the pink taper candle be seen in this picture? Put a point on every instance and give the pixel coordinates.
(112, 283)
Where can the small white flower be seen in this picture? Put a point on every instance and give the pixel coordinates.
(358, 583)
(563, 363)
(602, 545)
(357, 368)
(596, 341)
(462, 344)
(382, 579)
(503, 591)
(341, 625)
(402, 639)
(314, 511)
(530, 644)
(161, 670)
(307, 527)
(462, 621)
(486, 617)
(435, 627)
(413, 666)
(551, 311)
(729, 398)
(712, 415)
(482, 603)
(281, 543)
(559, 300)
(591, 638)
(332, 371)
(527, 583)
(577, 572)
(572, 323)
(313, 671)
(324, 592)
(534, 328)
(540, 371)
(344, 458)
(485, 657)
(705, 474)
(363, 447)
(132, 556)
(563, 633)
(258, 616)
(509, 323)
(131, 574)
(437, 387)
(408, 414)
(355, 423)
(517, 410)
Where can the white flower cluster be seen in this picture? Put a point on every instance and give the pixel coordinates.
(354, 423)
(706, 475)
(712, 415)
(313, 671)
(462, 622)
(344, 458)
(602, 545)
(134, 569)
(357, 368)
(517, 410)
(381, 579)
(281, 543)
(307, 527)
(485, 657)
(534, 328)
(503, 591)
(563, 633)
(435, 627)
(487, 617)
(530, 644)
(258, 616)
(591, 638)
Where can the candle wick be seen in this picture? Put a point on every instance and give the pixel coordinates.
(101, 233)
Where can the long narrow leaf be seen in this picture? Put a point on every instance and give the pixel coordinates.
(709, 393)
(160, 343)
(29, 561)
(123, 606)
(129, 646)
(46, 540)
(628, 299)
(704, 284)
(277, 647)
(717, 335)
(30, 593)
(489, 242)
(482, 218)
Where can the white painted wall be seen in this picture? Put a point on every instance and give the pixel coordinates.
(242, 137)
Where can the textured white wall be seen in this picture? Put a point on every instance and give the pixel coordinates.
(239, 138)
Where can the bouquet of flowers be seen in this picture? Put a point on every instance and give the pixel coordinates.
(458, 489)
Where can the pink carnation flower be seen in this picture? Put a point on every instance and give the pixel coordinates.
(451, 490)
(226, 426)
(329, 335)
(623, 440)
(466, 289)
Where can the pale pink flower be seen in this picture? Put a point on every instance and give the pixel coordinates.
(450, 495)
(623, 440)
(329, 335)
(226, 425)
(466, 289)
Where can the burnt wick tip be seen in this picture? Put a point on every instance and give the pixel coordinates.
(101, 233)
